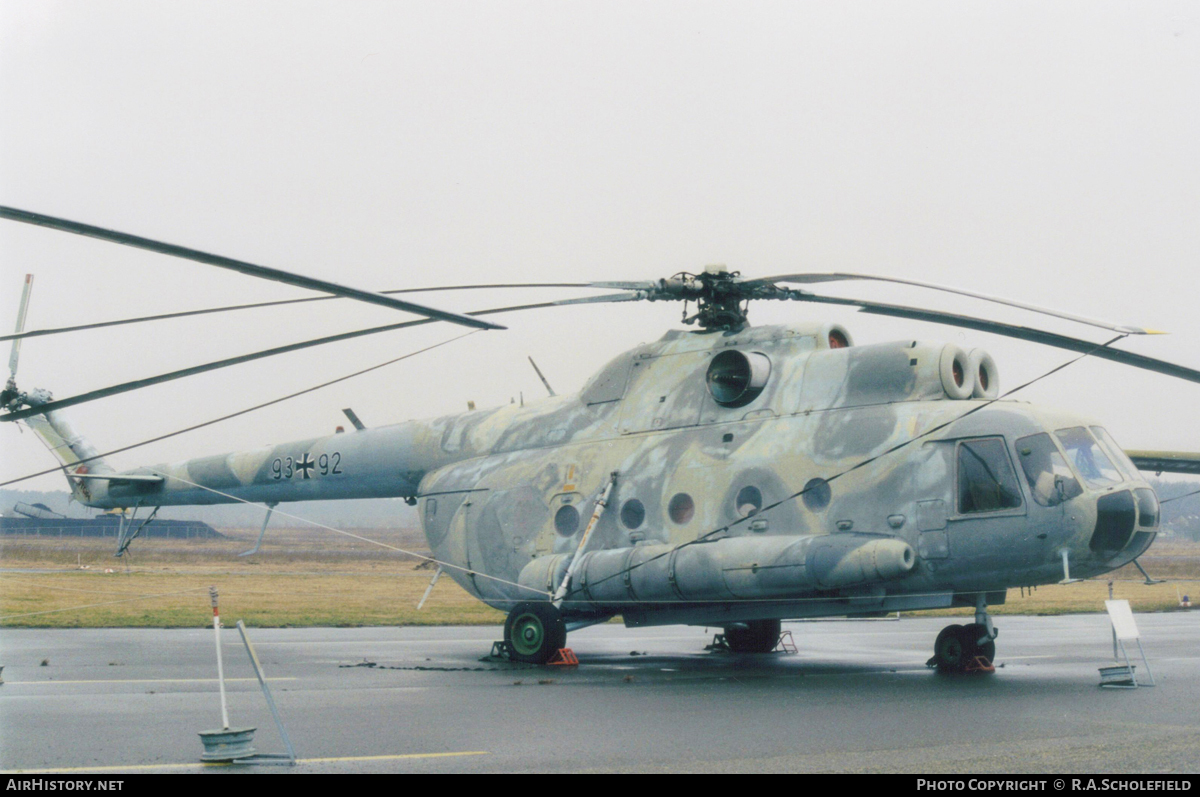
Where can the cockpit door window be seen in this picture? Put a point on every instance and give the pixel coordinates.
(986, 480)
(1088, 457)
(1050, 478)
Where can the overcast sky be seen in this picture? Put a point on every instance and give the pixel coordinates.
(1046, 152)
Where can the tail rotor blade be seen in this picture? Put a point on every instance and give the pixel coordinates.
(15, 355)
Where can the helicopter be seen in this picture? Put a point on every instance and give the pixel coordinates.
(726, 475)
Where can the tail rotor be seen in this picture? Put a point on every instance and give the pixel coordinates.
(11, 394)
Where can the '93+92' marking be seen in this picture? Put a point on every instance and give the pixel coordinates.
(325, 465)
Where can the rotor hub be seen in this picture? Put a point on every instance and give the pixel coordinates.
(722, 299)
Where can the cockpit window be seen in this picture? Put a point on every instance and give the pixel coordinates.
(1050, 478)
(1118, 455)
(986, 481)
(1088, 457)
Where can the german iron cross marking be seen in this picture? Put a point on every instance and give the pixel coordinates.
(306, 465)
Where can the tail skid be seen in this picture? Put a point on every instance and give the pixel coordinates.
(88, 475)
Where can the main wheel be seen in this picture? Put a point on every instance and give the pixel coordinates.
(759, 636)
(534, 630)
(955, 646)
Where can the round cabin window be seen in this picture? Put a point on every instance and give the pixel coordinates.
(748, 502)
(566, 520)
(817, 494)
(681, 509)
(736, 378)
(633, 513)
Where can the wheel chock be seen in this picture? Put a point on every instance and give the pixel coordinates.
(980, 664)
(718, 645)
(786, 643)
(501, 651)
(563, 657)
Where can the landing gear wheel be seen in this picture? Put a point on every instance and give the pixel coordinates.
(958, 645)
(534, 631)
(954, 648)
(988, 648)
(759, 636)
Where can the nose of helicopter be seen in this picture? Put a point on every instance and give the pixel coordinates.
(1096, 510)
(1111, 528)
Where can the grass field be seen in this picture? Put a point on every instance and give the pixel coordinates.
(307, 578)
(300, 578)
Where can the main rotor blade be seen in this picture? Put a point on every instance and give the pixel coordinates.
(805, 279)
(15, 356)
(137, 384)
(262, 272)
(1166, 461)
(227, 308)
(1013, 331)
(642, 285)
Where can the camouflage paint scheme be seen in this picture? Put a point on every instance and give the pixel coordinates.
(490, 484)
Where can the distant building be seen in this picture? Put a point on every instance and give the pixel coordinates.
(52, 524)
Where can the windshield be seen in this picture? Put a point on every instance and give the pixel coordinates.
(1088, 457)
(1050, 478)
(1116, 452)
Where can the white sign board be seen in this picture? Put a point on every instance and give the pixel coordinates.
(1122, 619)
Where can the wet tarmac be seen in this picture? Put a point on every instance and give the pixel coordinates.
(857, 697)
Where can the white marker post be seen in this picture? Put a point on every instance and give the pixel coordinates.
(212, 592)
(226, 744)
(432, 583)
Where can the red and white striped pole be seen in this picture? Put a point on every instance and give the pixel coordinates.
(212, 591)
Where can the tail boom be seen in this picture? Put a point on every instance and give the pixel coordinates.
(384, 462)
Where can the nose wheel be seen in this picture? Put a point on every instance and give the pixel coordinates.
(958, 647)
(534, 631)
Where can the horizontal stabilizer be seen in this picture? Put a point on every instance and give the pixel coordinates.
(119, 477)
